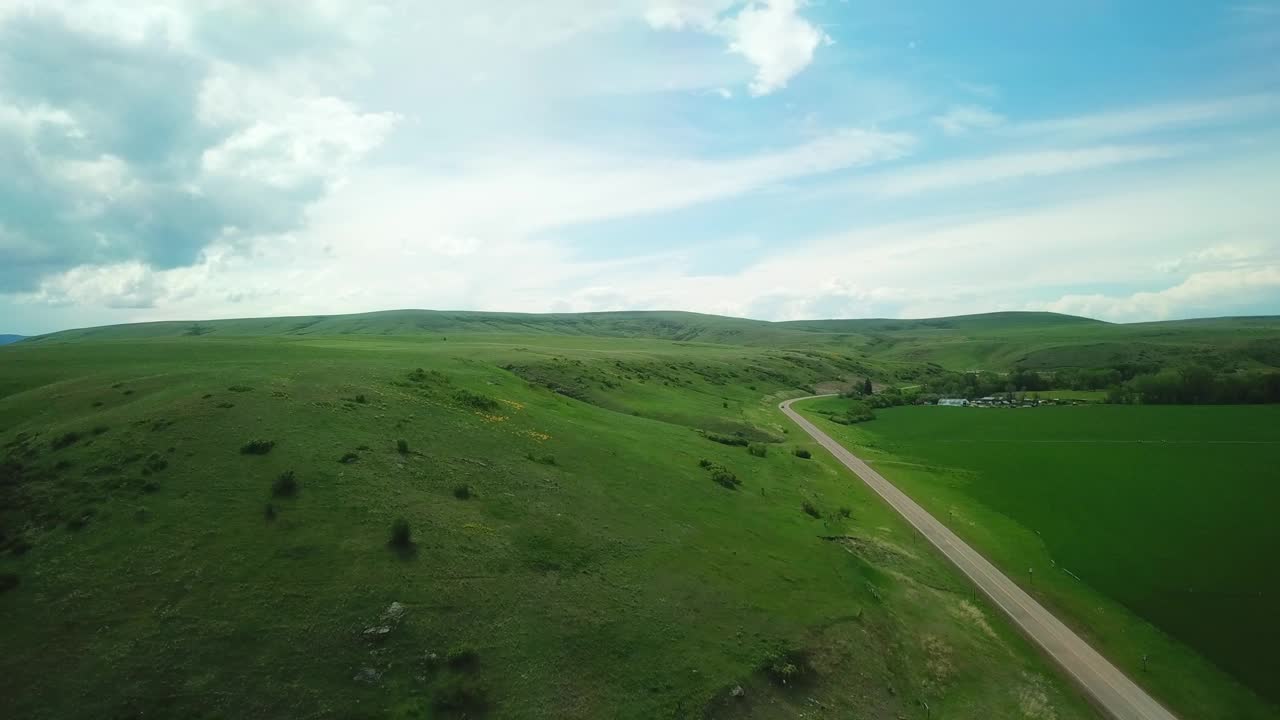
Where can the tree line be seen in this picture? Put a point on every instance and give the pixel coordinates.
(1186, 385)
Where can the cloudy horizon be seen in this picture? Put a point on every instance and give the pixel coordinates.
(770, 159)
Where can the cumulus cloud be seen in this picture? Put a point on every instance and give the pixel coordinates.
(113, 152)
(769, 34)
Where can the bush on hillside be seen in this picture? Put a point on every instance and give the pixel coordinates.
(720, 474)
(802, 453)
(810, 509)
(733, 440)
(65, 440)
(788, 669)
(348, 458)
(475, 400)
(462, 492)
(286, 485)
(758, 449)
(257, 447)
(402, 446)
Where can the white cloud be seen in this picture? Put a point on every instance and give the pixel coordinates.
(774, 38)
(770, 34)
(1220, 292)
(686, 14)
(961, 119)
(1156, 118)
(303, 139)
(1009, 166)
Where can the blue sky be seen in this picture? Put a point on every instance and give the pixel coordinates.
(773, 159)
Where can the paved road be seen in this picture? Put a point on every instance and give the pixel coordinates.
(1101, 681)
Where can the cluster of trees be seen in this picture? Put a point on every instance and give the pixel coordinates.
(1191, 384)
(1198, 385)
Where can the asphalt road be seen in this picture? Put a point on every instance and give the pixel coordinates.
(1104, 684)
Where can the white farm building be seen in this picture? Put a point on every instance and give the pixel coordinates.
(953, 402)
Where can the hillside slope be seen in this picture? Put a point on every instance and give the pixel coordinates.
(200, 527)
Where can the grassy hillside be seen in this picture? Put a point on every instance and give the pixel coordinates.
(994, 341)
(201, 526)
(1144, 527)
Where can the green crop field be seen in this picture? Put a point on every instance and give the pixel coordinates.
(202, 526)
(1151, 528)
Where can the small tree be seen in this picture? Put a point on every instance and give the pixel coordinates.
(866, 387)
(402, 446)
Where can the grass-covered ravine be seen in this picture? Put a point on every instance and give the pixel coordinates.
(1150, 529)
(421, 527)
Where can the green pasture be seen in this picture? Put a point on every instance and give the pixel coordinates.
(1150, 528)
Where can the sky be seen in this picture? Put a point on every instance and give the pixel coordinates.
(773, 159)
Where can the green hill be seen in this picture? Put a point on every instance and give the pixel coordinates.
(202, 526)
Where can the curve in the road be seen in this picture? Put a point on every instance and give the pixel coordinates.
(1104, 684)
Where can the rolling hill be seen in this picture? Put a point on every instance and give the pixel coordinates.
(992, 341)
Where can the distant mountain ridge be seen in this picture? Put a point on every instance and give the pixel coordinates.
(999, 340)
(10, 339)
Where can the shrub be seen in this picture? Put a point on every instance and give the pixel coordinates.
(361, 399)
(240, 388)
(462, 492)
(98, 430)
(845, 512)
(733, 440)
(544, 459)
(257, 447)
(720, 474)
(402, 446)
(475, 400)
(97, 403)
(8, 581)
(226, 405)
(65, 440)
(802, 453)
(788, 669)
(810, 509)
(286, 485)
(463, 660)
(725, 478)
(758, 449)
(150, 486)
(348, 458)
(270, 512)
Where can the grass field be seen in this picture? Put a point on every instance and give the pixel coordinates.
(199, 526)
(1150, 528)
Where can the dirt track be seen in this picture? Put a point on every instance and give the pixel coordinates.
(1104, 684)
